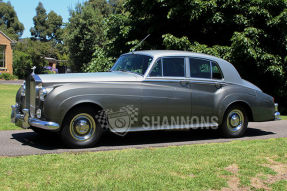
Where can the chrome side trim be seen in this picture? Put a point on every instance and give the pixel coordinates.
(174, 127)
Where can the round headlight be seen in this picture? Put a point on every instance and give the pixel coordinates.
(42, 94)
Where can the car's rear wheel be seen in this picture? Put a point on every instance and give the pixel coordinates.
(235, 122)
(80, 128)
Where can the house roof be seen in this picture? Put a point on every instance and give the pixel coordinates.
(12, 41)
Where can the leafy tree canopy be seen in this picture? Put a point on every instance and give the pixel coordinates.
(9, 22)
(29, 53)
(46, 26)
(251, 34)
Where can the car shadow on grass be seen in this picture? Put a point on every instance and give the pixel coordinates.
(164, 138)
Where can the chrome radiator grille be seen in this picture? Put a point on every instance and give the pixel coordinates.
(32, 97)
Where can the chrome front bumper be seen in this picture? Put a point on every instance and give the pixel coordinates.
(276, 114)
(25, 121)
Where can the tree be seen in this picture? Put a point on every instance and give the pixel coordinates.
(9, 22)
(39, 31)
(46, 27)
(29, 53)
(252, 35)
(54, 23)
(86, 31)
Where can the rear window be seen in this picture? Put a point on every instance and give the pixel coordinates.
(199, 68)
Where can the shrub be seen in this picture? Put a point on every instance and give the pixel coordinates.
(6, 76)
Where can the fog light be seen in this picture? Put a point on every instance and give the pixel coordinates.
(39, 113)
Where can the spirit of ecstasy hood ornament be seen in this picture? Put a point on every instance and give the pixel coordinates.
(34, 68)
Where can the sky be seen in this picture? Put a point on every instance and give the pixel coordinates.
(26, 10)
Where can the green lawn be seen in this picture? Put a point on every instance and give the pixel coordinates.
(284, 117)
(259, 164)
(7, 98)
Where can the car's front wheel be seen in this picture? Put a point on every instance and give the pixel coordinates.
(81, 129)
(235, 122)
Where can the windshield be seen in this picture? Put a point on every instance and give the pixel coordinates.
(134, 63)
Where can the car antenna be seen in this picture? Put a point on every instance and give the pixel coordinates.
(140, 43)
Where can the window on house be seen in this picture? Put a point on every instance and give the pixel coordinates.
(2, 56)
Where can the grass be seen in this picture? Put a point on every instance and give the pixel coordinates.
(283, 117)
(7, 98)
(193, 167)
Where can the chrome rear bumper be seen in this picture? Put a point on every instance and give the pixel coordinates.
(276, 114)
(24, 121)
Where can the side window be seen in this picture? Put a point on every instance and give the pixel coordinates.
(216, 72)
(173, 67)
(157, 69)
(199, 68)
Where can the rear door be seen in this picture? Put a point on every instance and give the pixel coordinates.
(206, 80)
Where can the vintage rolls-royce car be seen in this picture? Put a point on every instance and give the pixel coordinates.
(144, 90)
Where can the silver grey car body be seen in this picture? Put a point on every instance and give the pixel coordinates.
(153, 95)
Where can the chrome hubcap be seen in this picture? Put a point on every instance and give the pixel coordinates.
(82, 127)
(235, 120)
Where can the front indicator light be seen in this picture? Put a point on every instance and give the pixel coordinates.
(38, 113)
(42, 94)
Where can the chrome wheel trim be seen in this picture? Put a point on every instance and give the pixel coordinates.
(235, 120)
(82, 127)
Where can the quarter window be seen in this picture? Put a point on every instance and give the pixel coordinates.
(199, 68)
(172, 67)
(216, 72)
(157, 69)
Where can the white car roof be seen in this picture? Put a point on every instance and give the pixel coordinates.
(229, 72)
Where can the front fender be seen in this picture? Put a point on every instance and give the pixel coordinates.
(63, 98)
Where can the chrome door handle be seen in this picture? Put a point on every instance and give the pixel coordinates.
(218, 85)
(184, 83)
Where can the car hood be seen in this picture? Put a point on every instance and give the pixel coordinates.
(89, 77)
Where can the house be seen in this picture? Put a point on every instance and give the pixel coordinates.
(6, 53)
(55, 67)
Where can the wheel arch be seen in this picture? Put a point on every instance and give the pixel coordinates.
(243, 104)
(95, 106)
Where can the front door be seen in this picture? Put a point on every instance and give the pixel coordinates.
(165, 101)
